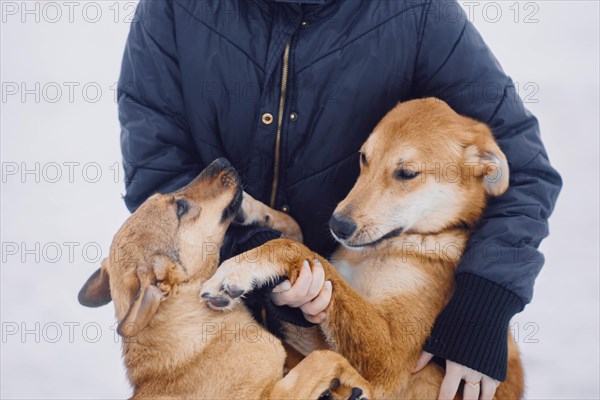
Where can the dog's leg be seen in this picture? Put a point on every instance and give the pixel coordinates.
(374, 338)
(252, 269)
(300, 342)
(304, 339)
(253, 212)
(323, 374)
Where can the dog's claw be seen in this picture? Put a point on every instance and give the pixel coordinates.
(356, 393)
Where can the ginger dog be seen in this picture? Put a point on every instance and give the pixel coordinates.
(176, 347)
(425, 175)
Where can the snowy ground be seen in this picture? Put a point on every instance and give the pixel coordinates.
(55, 228)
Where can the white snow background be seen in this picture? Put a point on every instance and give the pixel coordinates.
(52, 347)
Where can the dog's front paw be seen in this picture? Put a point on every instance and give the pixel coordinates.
(227, 286)
(223, 299)
(338, 392)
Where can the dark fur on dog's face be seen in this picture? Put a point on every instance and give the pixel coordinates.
(171, 239)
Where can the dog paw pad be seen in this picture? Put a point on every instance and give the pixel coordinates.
(215, 301)
(232, 290)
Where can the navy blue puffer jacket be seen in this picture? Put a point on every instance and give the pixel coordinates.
(289, 90)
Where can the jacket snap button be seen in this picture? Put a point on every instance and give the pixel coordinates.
(304, 24)
(285, 209)
(293, 116)
(267, 118)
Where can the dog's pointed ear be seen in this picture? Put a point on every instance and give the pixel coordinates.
(142, 309)
(96, 290)
(490, 161)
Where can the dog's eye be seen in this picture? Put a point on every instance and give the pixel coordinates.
(406, 174)
(182, 207)
(363, 159)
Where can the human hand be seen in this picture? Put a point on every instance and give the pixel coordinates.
(311, 292)
(477, 385)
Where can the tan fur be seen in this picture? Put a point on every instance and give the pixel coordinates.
(174, 346)
(254, 212)
(388, 290)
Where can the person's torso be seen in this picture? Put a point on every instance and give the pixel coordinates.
(347, 63)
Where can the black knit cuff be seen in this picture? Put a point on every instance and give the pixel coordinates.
(258, 239)
(472, 330)
(239, 239)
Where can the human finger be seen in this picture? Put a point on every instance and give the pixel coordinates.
(319, 303)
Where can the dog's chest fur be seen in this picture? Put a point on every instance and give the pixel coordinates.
(378, 275)
(196, 344)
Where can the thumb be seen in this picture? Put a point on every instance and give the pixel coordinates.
(423, 361)
(282, 287)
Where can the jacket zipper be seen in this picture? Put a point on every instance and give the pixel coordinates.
(282, 95)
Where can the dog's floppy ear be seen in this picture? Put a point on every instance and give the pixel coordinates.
(142, 309)
(490, 161)
(96, 290)
(156, 283)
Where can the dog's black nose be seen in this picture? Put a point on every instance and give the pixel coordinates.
(216, 167)
(342, 226)
(222, 163)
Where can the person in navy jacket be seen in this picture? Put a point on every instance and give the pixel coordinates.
(288, 90)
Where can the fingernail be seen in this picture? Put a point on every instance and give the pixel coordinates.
(328, 285)
(305, 264)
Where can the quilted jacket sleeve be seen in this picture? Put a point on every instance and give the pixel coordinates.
(496, 276)
(158, 152)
